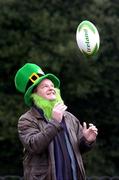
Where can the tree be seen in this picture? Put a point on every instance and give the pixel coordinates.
(44, 33)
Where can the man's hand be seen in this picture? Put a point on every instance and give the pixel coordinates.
(90, 133)
(58, 111)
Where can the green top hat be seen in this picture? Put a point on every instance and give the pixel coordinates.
(28, 77)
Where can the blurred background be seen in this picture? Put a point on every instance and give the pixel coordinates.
(43, 32)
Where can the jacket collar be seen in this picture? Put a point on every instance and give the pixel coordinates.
(37, 113)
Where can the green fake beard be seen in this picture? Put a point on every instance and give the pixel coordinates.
(46, 105)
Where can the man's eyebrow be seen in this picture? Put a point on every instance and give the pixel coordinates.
(43, 84)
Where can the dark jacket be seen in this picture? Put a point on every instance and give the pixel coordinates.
(36, 135)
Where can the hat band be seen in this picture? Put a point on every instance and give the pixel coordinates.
(32, 79)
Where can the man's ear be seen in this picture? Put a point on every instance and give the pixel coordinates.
(34, 89)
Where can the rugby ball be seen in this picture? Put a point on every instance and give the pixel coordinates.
(87, 37)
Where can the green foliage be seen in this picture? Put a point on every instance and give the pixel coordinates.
(11, 108)
(44, 33)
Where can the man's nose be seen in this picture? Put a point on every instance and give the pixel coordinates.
(52, 88)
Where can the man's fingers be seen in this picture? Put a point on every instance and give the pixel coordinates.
(64, 108)
(90, 124)
(84, 125)
(93, 129)
(60, 107)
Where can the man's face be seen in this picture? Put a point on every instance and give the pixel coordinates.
(46, 89)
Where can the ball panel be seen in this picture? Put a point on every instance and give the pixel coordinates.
(87, 24)
(92, 53)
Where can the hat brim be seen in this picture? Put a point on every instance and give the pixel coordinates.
(52, 77)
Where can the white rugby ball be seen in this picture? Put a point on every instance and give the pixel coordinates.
(87, 38)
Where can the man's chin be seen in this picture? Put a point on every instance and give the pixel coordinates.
(52, 98)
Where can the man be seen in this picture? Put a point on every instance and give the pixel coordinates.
(53, 139)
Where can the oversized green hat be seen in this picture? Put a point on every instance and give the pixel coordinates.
(28, 77)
